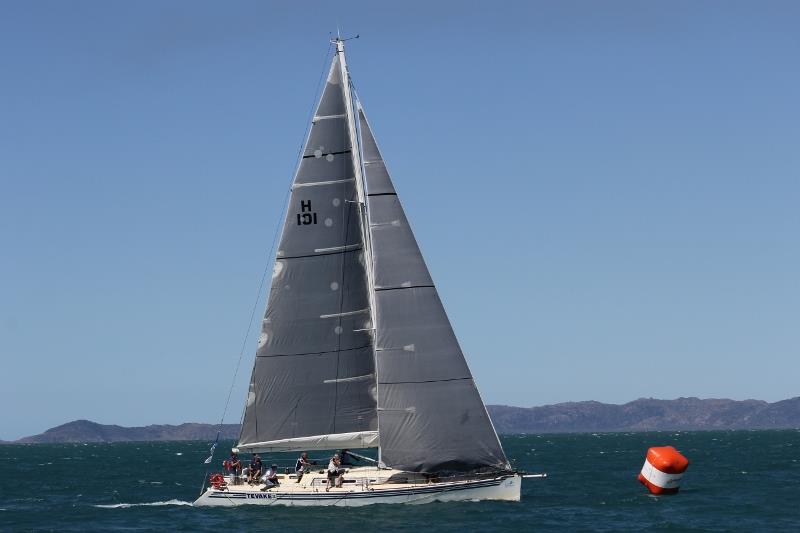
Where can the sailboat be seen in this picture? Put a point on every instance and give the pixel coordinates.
(356, 350)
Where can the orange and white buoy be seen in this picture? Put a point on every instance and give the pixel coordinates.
(663, 469)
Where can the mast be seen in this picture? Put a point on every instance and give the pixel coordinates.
(362, 205)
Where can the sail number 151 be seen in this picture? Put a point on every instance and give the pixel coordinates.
(306, 216)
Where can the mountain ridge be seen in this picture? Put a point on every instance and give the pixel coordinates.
(643, 414)
(648, 414)
(88, 431)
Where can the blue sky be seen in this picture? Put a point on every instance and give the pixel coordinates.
(606, 193)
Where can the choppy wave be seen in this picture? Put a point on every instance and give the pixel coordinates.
(143, 504)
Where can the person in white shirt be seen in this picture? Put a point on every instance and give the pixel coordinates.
(335, 474)
(271, 476)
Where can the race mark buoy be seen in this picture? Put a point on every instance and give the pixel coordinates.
(663, 469)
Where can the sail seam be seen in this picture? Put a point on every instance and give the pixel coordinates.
(406, 287)
(326, 153)
(316, 353)
(425, 381)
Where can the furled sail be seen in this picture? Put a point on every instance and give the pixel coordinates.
(313, 383)
(430, 414)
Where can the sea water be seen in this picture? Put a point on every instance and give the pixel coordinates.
(737, 481)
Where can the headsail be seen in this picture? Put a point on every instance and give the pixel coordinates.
(313, 381)
(431, 416)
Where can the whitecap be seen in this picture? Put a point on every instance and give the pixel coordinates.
(145, 504)
(178, 453)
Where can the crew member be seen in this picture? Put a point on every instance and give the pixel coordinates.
(335, 474)
(302, 465)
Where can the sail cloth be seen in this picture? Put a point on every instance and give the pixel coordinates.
(314, 373)
(430, 414)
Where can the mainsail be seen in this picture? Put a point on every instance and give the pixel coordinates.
(325, 376)
(313, 383)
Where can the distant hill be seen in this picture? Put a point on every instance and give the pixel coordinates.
(647, 414)
(87, 431)
(644, 414)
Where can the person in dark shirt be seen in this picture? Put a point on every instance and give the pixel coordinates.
(255, 469)
(302, 465)
(235, 466)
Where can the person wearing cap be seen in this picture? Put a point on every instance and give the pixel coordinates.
(272, 476)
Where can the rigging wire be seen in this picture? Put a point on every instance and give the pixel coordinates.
(270, 260)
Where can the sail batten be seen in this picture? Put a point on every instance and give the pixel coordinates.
(321, 252)
(315, 184)
(335, 249)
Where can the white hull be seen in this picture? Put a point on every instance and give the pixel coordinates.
(505, 488)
